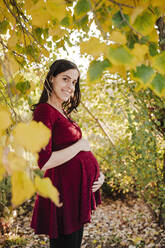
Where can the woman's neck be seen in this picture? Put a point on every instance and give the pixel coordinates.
(56, 104)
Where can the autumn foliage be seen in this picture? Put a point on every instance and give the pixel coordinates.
(128, 48)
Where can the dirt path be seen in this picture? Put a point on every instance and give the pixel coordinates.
(114, 224)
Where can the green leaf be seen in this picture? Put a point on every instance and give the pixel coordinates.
(159, 62)
(65, 21)
(120, 55)
(118, 20)
(144, 40)
(144, 74)
(131, 39)
(82, 22)
(96, 68)
(23, 86)
(153, 48)
(158, 83)
(144, 23)
(38, 33)
(82, 7)
(4, 26)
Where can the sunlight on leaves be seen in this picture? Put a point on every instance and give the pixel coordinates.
(118, 37)
(93, 47)
(45, 188)
(57, 9)
(32, 136)
(2, 169)
(139, 51)
(37, 11)
(118, 69)
(136, 12)
(5, 118)
(16, 163)
(22, 187)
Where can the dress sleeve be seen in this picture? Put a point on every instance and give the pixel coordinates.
(43, 113)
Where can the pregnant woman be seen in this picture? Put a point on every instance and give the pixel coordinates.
(66, 160)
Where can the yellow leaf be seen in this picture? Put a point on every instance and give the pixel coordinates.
(28, 4)
(5, 118)
(139, 51)
(137, 239)
(136, 11)
(93, 47)
(56, 30)
(5, 13)
(1, 73)
(12, 41)
(16, 162)
(153, 36)
(46, 54)
(45, 188)
(10, 65)
(118, 69)
(36, 17)
(118, 37)
(39, 13)
(22, 187)
(32, 136)
(107, 24)
(57, 8)
(94, 241)
(158, 3)
(2, 169)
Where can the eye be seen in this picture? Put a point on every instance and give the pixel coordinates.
(74, 83)
(65, 79)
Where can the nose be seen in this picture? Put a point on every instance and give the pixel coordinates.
(71, 85)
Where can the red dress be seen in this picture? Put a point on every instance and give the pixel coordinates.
(73, 179)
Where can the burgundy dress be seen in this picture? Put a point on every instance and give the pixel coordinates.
(73, 179)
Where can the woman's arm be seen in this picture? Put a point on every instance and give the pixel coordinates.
(59, 157)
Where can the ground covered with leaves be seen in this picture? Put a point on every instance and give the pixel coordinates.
(119, 223)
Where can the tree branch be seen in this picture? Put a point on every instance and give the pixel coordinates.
(98, 123)
(122, 4)
(121, 12)
(22, 27)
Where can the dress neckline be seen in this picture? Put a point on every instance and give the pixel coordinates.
(67, 118)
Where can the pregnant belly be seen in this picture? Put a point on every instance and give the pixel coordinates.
(83, 165)
(89, 164)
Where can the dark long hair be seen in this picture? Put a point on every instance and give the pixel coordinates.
(57, 67)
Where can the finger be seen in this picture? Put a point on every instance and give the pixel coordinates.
(96, 187)
(94, 190)
(95, 183)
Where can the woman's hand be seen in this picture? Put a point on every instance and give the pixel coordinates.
(84, 144)
(97, 184)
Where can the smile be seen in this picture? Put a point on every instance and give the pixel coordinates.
(67, 92)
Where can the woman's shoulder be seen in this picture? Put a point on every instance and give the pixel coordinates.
(44, 111)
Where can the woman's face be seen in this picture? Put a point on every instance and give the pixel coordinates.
(64, 85)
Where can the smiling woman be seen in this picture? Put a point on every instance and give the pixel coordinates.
(63, 86)
(66, 160)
